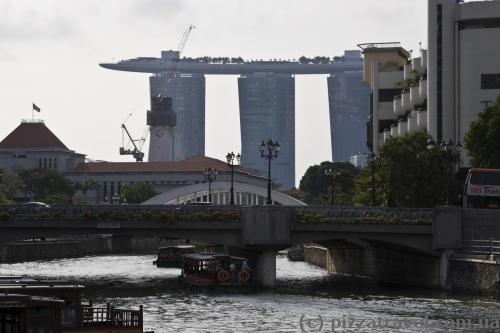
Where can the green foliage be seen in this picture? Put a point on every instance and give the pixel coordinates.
(407, 174)
(316, 184)
(137, 193)
(46, 184)
(9, 185)
(88, 184)
(482, 141)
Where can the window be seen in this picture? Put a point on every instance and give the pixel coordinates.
(490, 81)
(55, 163)
(105, 191)
(387, 95)
(50, 163)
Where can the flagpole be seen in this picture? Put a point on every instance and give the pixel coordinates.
(32, 113)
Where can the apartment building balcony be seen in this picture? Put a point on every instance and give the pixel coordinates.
(406, 102)
(402, 128)
(387, 135)
(415, 97)
(422, 119)
(398, 107)
(412, 123)
(394, 130)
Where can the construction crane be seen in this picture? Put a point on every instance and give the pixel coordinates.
(180, 48)
(136, 153)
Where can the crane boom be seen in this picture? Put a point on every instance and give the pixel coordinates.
(136, 153)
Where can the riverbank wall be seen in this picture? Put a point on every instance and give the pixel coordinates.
(464, 274)
(73, 247)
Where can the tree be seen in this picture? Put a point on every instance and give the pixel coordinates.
(46, 184)
(137, 193)
(483, 137)
(316, 184)
(9, 185)
(88, 184)
(407, 174)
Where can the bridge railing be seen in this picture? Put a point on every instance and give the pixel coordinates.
(481, 246)
(363, 215)
(124, 212)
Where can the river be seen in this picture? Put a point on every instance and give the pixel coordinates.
(306, 299)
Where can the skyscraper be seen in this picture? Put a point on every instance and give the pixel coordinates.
(267, 111)
(187, 137)
(349, 104)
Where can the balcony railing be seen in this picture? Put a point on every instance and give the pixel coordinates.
(111, 317)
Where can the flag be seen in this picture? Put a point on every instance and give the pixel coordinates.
(36, 108)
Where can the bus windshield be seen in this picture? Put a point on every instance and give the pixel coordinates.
(482, 189)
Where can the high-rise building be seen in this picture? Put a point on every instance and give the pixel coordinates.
(348, 98)
(464, 64)
(184, 135)
(267, 111)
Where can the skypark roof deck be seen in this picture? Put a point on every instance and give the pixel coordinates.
(158, 65)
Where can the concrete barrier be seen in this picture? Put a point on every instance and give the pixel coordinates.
(316, 255)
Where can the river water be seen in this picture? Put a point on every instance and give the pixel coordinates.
(307, 299)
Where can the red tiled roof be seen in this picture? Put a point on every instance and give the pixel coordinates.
(194, 164)
(31, 135)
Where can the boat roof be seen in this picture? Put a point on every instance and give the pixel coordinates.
(19, 300)
(234, 258)
(183, 246)
(197, 256)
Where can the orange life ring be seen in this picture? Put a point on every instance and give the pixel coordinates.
(243, 276)
(223, 275)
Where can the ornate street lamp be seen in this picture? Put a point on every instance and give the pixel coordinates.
(333, 173)
(272, 149)
(452, 151)
(372, 157)
(230, 162)
(210, 175)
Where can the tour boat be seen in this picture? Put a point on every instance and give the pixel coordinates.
(171, 256)
(58, 308)
(210, 270)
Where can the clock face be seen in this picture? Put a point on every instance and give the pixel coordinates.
(159, 132)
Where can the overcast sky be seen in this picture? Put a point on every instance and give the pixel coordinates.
(50, 50)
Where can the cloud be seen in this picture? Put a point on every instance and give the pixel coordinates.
(156, 9)
(18, 26)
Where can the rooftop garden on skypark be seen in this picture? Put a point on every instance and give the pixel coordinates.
(240, 60)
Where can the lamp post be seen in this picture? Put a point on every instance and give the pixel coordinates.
(210, 175)
(332, 172)
(371, 159)
(230, 162)
(272, 149)
(452, 151)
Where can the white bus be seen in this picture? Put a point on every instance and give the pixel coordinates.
(482, 189)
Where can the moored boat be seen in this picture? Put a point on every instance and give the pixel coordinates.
(171, 256)
(211, 270)
(23, 301)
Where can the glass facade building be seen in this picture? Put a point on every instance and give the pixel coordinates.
(187, 138)
(267, 111)
(349, 104)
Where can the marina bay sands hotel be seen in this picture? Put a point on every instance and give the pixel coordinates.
(266, 100)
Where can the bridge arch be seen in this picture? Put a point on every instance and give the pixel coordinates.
(244, 194)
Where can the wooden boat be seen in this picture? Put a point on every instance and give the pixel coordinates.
(211, 270)
(171, 256)
(62, 304)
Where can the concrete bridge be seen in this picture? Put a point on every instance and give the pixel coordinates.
(259, 232)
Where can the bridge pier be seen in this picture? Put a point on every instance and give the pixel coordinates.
(266, 269)
(444, 264)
